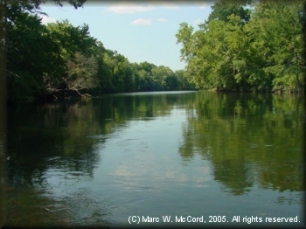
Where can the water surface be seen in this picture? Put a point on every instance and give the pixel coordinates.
(99, 161)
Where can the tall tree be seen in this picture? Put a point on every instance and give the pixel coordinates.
(77, 50)
(26, 41)
(276, 33)
(245, 46)
(222, 9)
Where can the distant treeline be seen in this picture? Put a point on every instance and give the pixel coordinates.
(62, 60)
(247, 45)
(243, 46)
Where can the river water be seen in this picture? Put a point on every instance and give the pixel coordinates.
(141, 157)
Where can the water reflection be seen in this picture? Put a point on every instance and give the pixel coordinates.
(95, 162)
(256, 139)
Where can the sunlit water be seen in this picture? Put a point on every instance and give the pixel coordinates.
(99, 161)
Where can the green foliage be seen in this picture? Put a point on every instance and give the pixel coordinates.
(72, 39)
(279, 26)
(246, 46)
(33, 55)
(58, 58)
(77, 52)
(81, 72)
(225, 8)
(27, 41)
(242, 46)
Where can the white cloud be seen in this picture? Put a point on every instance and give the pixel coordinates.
(204, 5)
(161, 20)
(45, 19)
(129, 9)
(141, 21)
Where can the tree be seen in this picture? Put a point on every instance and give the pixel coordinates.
(77, 50)
(26, 41)
(59, 59)
(184, 36)
(245, 46)
(276, 33)
(183, 83)
(222, 9)
(143, 76)
(81, 73)
(163, 77)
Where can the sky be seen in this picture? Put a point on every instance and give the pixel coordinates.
(141, 31)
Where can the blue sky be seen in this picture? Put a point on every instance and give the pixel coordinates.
(138, 30)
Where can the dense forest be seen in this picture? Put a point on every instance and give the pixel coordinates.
(243, 46)
(247, 46)
(59, 59)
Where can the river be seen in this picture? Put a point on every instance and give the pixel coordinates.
(140, 157)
